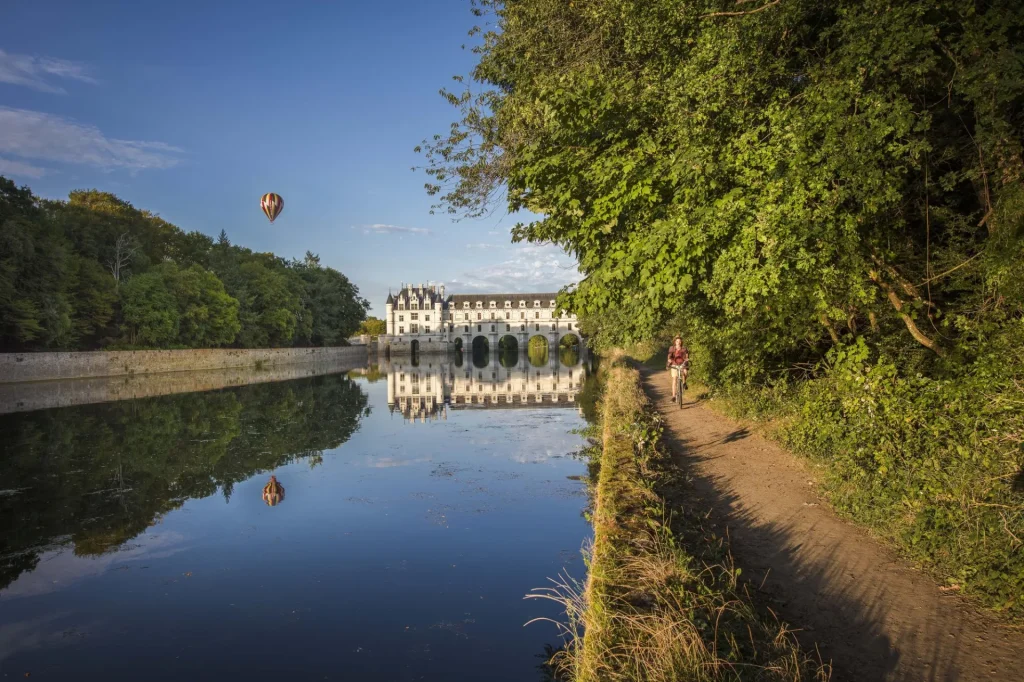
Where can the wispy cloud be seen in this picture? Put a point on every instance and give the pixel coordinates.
(39, 72)
(381, 228)
(19, 169)
(531, 267)
(42, 136)
(483, 246)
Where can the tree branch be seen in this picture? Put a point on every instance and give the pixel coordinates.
(740, 14)
(897, 303)
(823, 318)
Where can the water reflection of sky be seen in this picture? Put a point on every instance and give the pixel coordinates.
(403, 553)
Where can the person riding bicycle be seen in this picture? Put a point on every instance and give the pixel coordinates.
(678, 361)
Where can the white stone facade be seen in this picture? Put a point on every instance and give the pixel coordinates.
(424, 319)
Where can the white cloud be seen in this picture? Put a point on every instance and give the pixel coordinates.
(381, 228)
(531, 267)
(482, 246)
(19, 169)
(37, 72)
(37, 135)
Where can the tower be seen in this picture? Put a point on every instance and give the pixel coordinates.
(389, 318)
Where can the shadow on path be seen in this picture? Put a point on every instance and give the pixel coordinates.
(871, 614)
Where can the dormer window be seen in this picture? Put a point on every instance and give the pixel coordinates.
(493, 304)
(522, 304)
(508, 304)
(479, 304)
(552, 304)
(536, 304)
(401, 306)
(465, 304)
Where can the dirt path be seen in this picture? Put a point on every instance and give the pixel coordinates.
(872, 614)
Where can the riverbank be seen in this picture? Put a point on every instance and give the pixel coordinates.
(662, 600)
(28, 367)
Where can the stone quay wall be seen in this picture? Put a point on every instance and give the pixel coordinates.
(26, 367)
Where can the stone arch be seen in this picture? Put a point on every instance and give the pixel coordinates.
(570, 339)
(481, 344)
(415, 346)
(508, 343)
(458, 344)
(537, 350)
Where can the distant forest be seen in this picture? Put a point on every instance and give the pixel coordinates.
(95, 272)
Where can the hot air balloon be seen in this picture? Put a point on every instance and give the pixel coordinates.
(273, 492)
(272, 205)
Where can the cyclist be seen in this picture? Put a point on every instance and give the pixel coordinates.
(678, 361)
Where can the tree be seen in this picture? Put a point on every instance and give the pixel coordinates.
(208, 316)
(267, 307)
(121, 257)
(333, 301)
(93, 295)
(149, 310)
(373, 326)
(33, 269)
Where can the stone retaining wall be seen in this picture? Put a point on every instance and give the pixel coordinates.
(23, 367)
(39, 395)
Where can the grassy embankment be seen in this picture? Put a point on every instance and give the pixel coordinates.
(662, 600)
(933, 467)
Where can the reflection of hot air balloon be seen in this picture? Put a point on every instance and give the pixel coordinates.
(273, 492)
(272, 204)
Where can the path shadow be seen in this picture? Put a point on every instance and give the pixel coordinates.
(738, 434)
(809, 579)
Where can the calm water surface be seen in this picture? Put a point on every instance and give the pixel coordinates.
(420, 503)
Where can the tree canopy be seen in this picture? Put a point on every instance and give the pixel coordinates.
(94, 271)
(782, 173)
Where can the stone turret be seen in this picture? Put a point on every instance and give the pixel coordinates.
(389, 318)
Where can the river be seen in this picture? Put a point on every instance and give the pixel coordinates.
(413, 506)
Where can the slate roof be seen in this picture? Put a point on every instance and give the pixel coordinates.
(499, 299)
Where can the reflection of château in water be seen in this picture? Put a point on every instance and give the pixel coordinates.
(427, 386)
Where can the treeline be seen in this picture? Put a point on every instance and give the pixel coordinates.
(825, 198)
(95, 272)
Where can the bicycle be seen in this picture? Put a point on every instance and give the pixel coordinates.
(679, 383)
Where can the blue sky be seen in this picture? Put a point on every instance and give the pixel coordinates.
(193, 110)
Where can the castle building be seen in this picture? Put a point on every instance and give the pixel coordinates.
(423, 319)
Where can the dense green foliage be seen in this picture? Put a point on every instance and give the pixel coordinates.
(99, 475)
(374, 326)
(825, 198)
(94, 271)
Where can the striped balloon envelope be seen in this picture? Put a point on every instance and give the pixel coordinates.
(272, 205)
